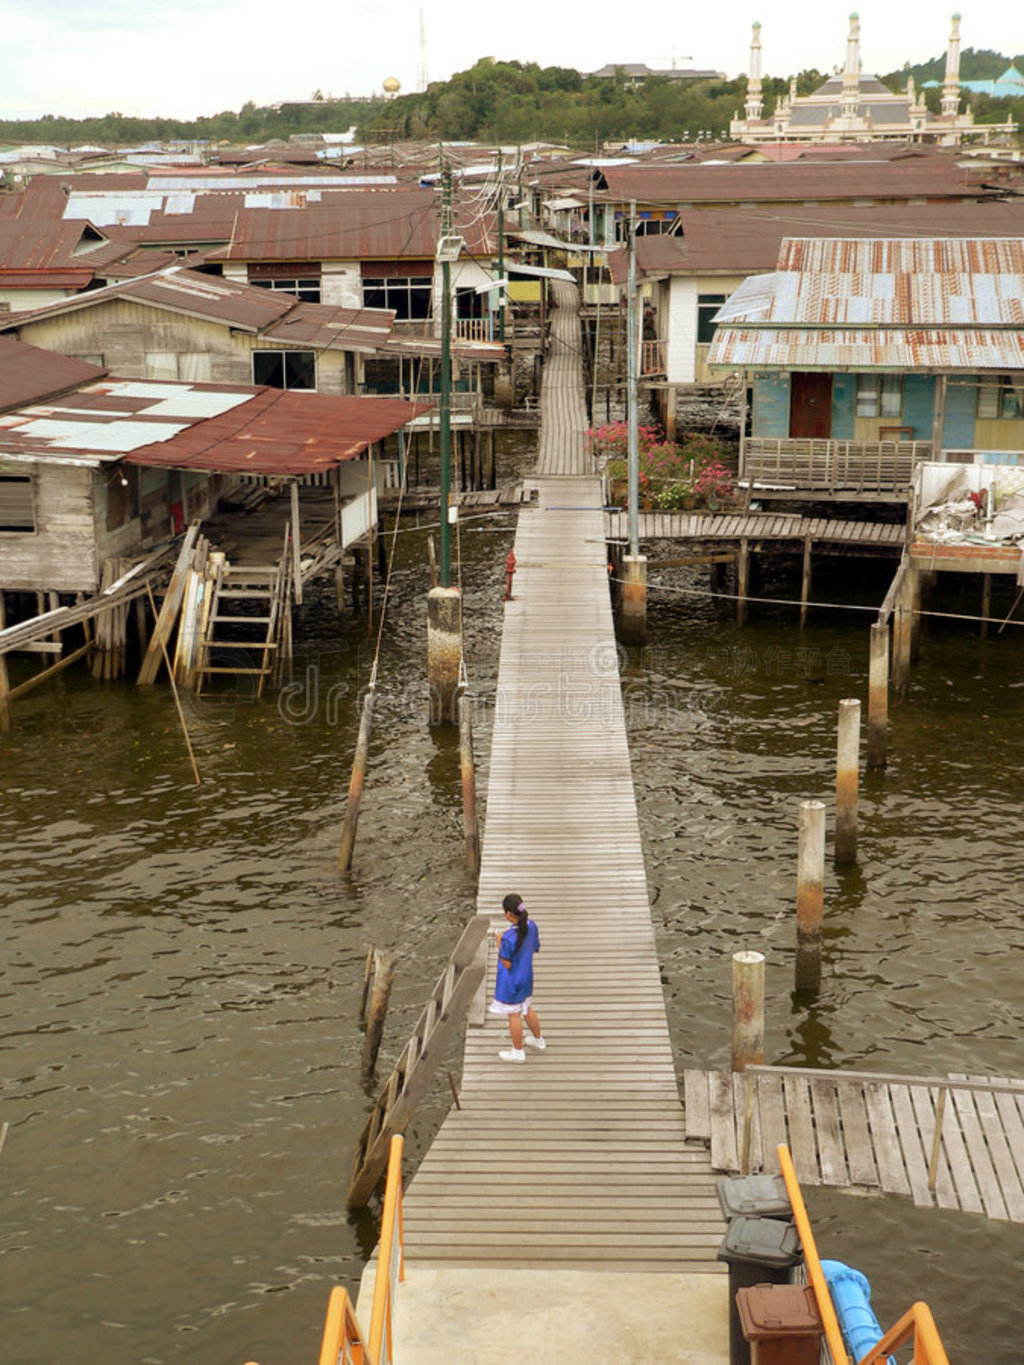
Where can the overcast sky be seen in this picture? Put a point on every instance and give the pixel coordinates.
(193, 57)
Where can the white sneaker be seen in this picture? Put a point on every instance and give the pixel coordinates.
(513, 1054)
(539, 1043)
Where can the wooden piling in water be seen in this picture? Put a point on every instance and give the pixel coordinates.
(355, 784)
(878, 694)
(383, 976)
(470, 824)
(747, 1010)
(847, 780)
(5, 680)
(810, 894)
(742, 581)
(805, 581)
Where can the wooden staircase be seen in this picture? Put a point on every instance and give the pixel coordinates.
(242, 643)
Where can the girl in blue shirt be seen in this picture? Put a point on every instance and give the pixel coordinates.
(513, 988)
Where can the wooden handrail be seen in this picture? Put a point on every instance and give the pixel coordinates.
(887, 1078)
(833, 1334)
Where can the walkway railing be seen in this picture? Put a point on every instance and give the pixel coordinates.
(390, 1262)
(343, 1342)
(879, 467)
(916, 1325)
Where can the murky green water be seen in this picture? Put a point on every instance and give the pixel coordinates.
(181, 967)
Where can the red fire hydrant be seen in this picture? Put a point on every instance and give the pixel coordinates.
(510, 568)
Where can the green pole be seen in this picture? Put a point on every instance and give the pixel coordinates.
(501, 252)
(444, 541)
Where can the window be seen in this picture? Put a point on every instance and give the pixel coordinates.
(1001, 396)
(284, 369)
(190, 367)
(879, 395)
(408, 295)
(17, 506)
(707, 306)
(306, 289)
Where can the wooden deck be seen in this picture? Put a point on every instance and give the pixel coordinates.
(761, 526)
(563, 422)
(872, 1135)
(576, 1158)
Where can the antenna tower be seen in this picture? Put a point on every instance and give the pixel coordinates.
(421, 66)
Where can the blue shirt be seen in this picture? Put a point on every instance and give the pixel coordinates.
(515, 983)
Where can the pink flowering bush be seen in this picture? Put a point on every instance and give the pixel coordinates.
(670, 474)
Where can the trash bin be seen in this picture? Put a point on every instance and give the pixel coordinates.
(781, 1323)
(759, 1196)
(758, 1250)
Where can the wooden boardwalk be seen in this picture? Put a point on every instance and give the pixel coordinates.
(872, 1134)
(881, 537)
(579, 1154)
(563, 410)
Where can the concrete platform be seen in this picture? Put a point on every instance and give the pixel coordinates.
(449, 1315)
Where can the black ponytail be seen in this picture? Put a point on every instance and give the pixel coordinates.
(513, 905)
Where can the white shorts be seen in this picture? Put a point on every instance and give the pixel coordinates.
(499, 1007)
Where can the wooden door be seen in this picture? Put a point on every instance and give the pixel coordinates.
(810, 404)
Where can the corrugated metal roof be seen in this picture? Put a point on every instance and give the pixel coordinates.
(853, 349)
(545, 272)
(28, 374)
(880, 304)
(767, 182)
(271, 313)
(231, 428)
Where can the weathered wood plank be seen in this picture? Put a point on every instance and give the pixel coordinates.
(856, 1135)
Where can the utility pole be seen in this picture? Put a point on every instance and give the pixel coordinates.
(445, 413)
(633, 612)
(444, 607)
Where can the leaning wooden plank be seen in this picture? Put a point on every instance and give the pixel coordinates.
(826, 1124)
(406, 1085)
(724, 1156)
(169, 611)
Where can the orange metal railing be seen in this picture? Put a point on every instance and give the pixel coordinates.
(833, 1334)
(917, 1324)
(390, 1260)
(343, 1341)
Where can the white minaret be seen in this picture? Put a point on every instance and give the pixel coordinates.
(421, 66)
(851, 71)
(754, 106)
(951, 85)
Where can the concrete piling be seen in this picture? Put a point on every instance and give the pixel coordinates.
(747, 1010)
(444, 653)
(810, 894)
(847, 780)
(878, 695)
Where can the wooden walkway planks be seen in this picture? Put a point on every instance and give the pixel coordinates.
(758, 526)
(563, 420)
(579, 1154)
(870, 1135)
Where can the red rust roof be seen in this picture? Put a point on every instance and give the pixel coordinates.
(697, 183)
(29, 375)
(278, 432)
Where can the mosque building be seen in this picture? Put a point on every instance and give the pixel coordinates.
(855, 107)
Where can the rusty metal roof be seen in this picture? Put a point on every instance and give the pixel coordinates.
(388, 225)
(738, 240)
(29, 375)
(244, 307)
(215, 427)
(768, 182)
(939, 303)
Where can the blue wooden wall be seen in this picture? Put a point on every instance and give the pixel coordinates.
(961, 404)
(770, 407)
(919, 404)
